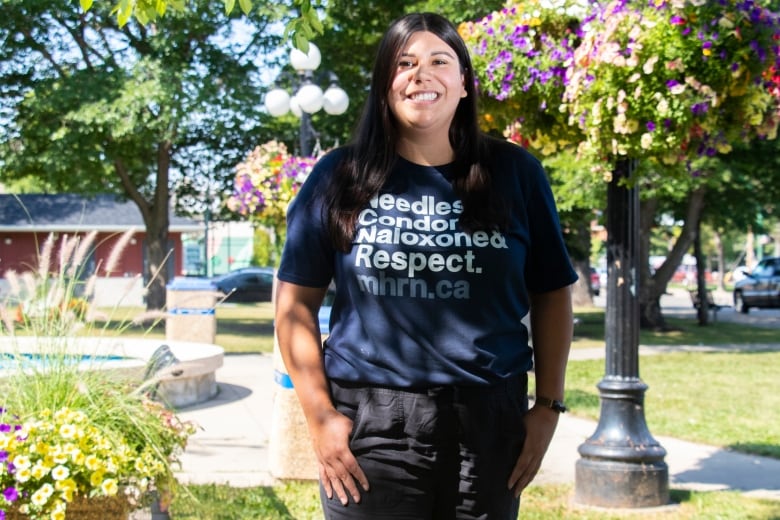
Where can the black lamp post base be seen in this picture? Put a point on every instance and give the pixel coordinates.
(611, 484)
(621, 464)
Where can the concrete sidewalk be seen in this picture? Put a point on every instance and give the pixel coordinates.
(232, 445)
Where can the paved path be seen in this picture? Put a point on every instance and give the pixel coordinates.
(232, 446)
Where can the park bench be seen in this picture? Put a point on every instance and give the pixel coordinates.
(711, 304)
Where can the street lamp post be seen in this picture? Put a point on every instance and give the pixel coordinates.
(309, 98)
(621, 464)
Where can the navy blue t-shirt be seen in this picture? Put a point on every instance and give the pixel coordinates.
(420, 302)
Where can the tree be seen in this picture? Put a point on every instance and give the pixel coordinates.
(649, 82)
(644, 83)
(135, 110)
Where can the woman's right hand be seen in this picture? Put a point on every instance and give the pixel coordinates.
(300, 344)
(338, 467)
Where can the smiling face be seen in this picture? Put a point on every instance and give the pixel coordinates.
(427, 86)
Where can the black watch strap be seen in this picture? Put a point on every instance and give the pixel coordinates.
(553, 404)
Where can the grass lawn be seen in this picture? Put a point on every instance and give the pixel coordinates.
(300, 501)
(727, 399)
(589, 332)
(241, 328)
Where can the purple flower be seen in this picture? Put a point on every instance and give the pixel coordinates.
(5, 428)
(699, 109)
(650, 126)
(11, 494)
(3, 455)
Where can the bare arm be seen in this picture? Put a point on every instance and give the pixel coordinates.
(551, 330)
(298, 333)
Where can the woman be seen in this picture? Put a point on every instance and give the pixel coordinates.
(439, 240)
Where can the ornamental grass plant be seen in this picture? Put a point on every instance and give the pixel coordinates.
(73, 432)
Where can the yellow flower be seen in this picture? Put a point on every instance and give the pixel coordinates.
(23, 474)
(67, 488)
(60, 473)
(96, 478)
(141, 466)
(92, 463)
(109, 487)
(62, 414)
(77, 456)
(68, 431)
(59, 456)
(22, 462)
(40, 447)
(39, 471)
(40, 497)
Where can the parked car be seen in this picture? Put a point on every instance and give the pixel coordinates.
(760, 288)
(247, 285)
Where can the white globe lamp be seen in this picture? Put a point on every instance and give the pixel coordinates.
(335, 101)
(277, 102)
(310, 98)
(303, 61)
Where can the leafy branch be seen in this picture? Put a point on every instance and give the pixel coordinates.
(299, 30)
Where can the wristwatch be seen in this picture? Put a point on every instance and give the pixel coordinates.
(553, 404)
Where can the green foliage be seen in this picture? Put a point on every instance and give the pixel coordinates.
(304, 28)
(262, 246)
(457, 11)
(113, 436)
(301, 30)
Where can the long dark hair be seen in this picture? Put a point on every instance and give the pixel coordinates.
(370, 156)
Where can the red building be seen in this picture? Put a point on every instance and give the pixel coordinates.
(26, 222)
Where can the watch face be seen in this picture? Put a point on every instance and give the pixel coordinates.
(553, 404)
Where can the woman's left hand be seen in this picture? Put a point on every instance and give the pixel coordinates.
(540, 426)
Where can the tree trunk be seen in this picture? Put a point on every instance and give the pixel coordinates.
(158, 256)
(578, 243)
(156, 216)
(650, 316)
(651, 292)
(701, 283)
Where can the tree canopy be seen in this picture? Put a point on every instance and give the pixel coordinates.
(300, 29)
(92, 106)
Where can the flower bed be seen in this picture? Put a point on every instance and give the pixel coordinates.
(57, 461)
